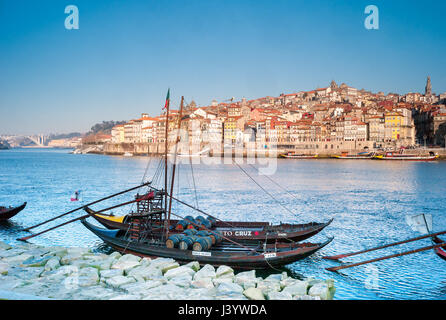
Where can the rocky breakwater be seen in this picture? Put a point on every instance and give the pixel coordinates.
(28, 270)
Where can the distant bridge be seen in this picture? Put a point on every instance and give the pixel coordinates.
(39, 140)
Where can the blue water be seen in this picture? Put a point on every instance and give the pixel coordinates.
(368, 199)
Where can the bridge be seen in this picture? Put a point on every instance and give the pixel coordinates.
(39, 140)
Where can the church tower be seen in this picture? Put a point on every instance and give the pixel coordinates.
(428, 90)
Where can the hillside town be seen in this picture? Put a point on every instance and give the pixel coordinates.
(334, 119)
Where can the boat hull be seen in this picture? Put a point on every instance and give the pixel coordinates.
(241, 231)
(441, 252)
(6, 214)
(237, 257)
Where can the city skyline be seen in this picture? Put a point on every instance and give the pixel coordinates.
(124, 57)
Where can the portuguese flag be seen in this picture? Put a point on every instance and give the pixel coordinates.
(167, 99)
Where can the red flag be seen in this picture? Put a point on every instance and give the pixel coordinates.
(167, 99)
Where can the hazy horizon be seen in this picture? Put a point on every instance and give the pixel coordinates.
(125, 55)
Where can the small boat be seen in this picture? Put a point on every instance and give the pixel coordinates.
(359, 156)
(406, 157)
(441, 252)
(243, 232)
(258, 256)
(7, 213)
(292, 155)
(128, 154)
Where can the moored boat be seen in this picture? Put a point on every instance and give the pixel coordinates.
(237, 230)
(359, 156)
(292, 155)
(441, 252)
(246, 257)
(7, 213)
(406, 157)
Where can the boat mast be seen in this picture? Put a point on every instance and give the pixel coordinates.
(174, 165)
(165, 149)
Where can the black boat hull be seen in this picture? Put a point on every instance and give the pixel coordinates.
(237, 257)
(6, 214)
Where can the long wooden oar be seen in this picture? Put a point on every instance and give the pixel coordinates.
(340, 256)
(76, 219)
(387, 257)
(88, 204)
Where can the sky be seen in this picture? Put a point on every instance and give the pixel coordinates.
(126, 54)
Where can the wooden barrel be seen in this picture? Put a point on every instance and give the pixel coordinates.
(205, 224)
(181, 225)
(174, 240)
(218, 237)
(202, 244)
(190, 232)
(202, 233)
(186, 243)
(213, 221)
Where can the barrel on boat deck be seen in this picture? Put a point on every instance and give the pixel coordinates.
(205, 233)
(190, 232)
(186, 243)
(174, 240)
(201, 244)
(181, 225)
(212, 221)
(205, 224)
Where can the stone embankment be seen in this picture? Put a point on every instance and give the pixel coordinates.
(28, 271)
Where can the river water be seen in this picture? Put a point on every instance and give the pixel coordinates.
(368, 200)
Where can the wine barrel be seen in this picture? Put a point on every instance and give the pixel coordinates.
(218, 236)
(174, 240)
(212, 220)
(205, 224)
(186, 243)
(202, 244)
(181, 225)
(202, 233)
(190, 232)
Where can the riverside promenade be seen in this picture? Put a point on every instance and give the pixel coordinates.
(29, 272)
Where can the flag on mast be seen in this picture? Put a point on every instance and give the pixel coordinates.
(167, 99)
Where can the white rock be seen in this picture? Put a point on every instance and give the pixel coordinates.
(125, 265)
(306, 297)
(322, 290)
(111, 273)
(141, 288)
(115, 255)
(4, 246)
(299, 288)
(129, 257)
(78, 251)
(246, 275)
(4, 267)
(203, 283)
(269, 286)
(147, 273)
(274, 278)
(279, 296)
(224, 271)
(52, 264)
(170, 266)
(95, 293)
(119, 281)
(145, 262)
(228, 288)
(194, 265)
(254, 294)
(36, 261)
(218, 281)
(183, 281)
(175, 272)
(70, 258)
(88, 277)
(14, 260)
(126, 297)
(207, 271)
(161, 262)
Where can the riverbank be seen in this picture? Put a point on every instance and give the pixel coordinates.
(142, 149)
(28, 270)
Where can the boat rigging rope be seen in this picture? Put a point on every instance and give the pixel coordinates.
(193, 180)
(264, 190)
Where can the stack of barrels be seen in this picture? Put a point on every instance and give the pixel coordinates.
(192, 239)
(199, 222)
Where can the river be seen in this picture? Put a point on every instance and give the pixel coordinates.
(368, 200)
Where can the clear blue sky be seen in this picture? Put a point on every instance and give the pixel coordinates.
(127, 53)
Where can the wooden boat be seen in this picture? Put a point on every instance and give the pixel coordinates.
(7, 213)
(406, 157)
(359, 156)
(252, 257)
(240, 231)
(441, 252)
(292, 155)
